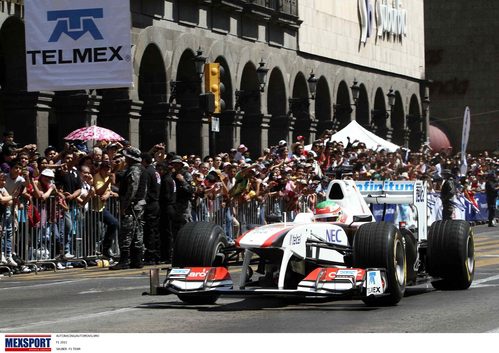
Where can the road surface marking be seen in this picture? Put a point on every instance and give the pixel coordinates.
(483, 280)
(59, 321)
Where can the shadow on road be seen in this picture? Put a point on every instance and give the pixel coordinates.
(252, 304)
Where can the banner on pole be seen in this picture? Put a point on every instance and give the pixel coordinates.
(464, 140)
(77, 44)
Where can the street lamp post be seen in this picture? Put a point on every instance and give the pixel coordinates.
(426, 112)
(261, 76)
(355, 91)
(199, 61)
(391, 103)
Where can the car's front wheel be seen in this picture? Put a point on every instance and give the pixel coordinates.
(380, 245)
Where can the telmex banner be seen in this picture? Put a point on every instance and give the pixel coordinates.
(77, 44)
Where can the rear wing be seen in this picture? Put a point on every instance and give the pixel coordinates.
(398, 192)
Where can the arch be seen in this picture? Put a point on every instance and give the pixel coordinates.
(299, 107)
(379, 114)
(276, 103)
(249, 102)
(342, 108)
(187, 91)
(152, 91)
(12, 59)
(397, 120)
(362, 115)
(415, 124)
(152, 76)
(323, 111)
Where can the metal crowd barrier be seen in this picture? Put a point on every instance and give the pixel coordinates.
(39, 227)
(41, 234)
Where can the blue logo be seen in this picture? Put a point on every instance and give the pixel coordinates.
(372, 277)
(75, 23)
(332, 235)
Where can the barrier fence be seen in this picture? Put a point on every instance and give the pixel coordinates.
(42, 232)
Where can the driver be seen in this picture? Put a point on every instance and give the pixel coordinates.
(327, 211)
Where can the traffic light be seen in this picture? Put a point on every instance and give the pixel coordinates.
(213, 73)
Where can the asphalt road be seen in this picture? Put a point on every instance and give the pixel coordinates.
(98, 300)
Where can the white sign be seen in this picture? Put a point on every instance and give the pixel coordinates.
(391, 18)
(77, 44)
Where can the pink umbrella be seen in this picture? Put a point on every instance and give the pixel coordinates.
(95, 133)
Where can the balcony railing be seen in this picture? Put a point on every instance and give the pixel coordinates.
(289, 7)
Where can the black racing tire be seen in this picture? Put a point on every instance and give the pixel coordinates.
(451, 254)
(197, 244)
(380, 245)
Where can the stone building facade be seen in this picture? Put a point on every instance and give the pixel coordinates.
(379, 45)
(462, 60)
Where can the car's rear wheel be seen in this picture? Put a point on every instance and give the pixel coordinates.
(380, 245)
(451, 254)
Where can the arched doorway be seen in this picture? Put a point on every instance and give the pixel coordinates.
(276, 102)
(152, 91)
(397, 117)
(299, 107)
(187, 91)
(323, 105)
(342, 108)
(379, 115)
(362, 108)
(414, 124)
(249, 101)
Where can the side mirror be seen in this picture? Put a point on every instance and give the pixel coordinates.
(362, 218)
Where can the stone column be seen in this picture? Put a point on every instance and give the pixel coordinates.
(205, 135)
(171, 127)
(43, 108)
(313, 130)
(133, 122)
(264, 128)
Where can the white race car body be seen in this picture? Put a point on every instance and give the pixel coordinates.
(311, 258)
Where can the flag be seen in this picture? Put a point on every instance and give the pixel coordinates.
(464, 140)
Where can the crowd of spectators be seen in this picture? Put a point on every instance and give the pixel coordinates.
(289, 171)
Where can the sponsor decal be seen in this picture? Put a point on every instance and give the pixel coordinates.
(374, 284)
(388, 185)
(28, 343)
(332, 235)
(77, 44)
(75, 23)
(179, 271)
(295, 239)
(349, 273)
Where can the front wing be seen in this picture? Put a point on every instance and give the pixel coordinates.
(328, 282)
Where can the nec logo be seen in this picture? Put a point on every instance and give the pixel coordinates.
(75, 23)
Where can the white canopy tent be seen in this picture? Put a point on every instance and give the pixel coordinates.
(357, 132)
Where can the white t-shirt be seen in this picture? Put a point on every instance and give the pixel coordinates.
(12, 185)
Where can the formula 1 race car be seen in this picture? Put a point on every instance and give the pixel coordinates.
(339, 252)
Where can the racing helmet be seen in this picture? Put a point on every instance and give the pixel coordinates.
(327, 211)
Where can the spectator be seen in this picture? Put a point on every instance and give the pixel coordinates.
(151, 212)
(5, 208)
(184, 192)
(103, 192)
(491, 188)
(167, 197)
(447, 193)
(68, 177)
(132, 194)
